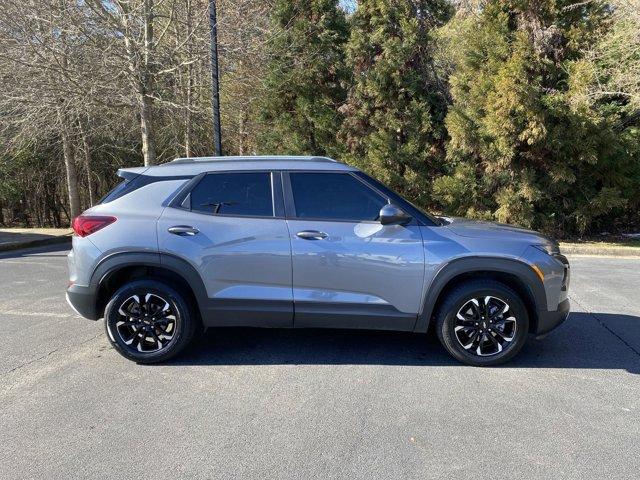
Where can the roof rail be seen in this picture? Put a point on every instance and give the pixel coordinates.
(257, 158)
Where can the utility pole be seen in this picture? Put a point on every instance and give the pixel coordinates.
(215, 89)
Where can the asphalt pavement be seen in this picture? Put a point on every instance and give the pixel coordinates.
(325, 404)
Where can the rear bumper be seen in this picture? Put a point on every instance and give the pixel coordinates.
(547, 321)
(83, 301)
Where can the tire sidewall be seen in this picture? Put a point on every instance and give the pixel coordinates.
(448, 322)
(142, 287)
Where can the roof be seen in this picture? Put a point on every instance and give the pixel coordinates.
(254, 158)
(196, 165)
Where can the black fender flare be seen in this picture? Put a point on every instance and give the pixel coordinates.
(177, 265)
(466, 265)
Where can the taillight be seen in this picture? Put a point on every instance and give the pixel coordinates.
(87, 224)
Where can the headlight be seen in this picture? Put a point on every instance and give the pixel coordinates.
(552, 249)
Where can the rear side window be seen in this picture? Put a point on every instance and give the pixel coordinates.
(123, 188)
(334, 196)
(139, 181)
(247, 194)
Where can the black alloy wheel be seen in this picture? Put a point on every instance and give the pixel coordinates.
(149, 321)
(485, 326)
(482, 322)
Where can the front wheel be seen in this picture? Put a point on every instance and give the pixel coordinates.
(482, 323)
(148, 321)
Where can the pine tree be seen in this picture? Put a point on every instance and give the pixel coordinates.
(521, 150)
(305, 76)
(395, 108)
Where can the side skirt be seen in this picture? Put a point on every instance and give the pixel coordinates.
(280, 314)
(248, 313)
(357, 316)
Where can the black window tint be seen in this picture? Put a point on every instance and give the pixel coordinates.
(233, 194)
(128, 186)
(116, 192)
(400, 201)
(334, 196)
(139, 181)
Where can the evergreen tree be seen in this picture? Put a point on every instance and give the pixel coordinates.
(395, 108)
(521, 150)
(304, 80)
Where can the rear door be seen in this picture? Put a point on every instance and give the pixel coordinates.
(231, 228)
(349, 271)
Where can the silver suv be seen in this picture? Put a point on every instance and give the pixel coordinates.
(304, 242)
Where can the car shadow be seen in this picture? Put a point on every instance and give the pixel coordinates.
(584, 341)
(59, 248)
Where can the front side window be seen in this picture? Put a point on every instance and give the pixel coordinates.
(334, 196)
(240, 194)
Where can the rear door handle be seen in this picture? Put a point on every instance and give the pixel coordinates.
(311, 235)
(183, 230)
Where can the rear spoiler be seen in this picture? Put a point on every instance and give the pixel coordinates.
(131, 173)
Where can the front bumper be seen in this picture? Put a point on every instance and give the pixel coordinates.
(83, 301)
(547, 321)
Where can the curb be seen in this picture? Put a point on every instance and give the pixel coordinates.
(7, 247)
(597, 251)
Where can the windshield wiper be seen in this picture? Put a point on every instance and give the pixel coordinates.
(216, 205)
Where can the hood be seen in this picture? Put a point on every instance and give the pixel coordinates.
(480, 229)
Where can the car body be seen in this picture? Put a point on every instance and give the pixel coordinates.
(302, 242)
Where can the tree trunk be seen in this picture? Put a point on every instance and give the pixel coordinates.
(241, 130)
(242, 121)
(188, 130)
(46, 207)
(67, 150)
(64, 210)
(87, 160)
(146, 105)
(141, 75)
(24, 211)
(215, 80)
(55, 211)
(146, 128)
(70, 167)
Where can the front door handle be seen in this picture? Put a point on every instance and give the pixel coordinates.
(311, 235)
(183, 230)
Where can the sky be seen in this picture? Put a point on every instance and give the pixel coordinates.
(348, 5)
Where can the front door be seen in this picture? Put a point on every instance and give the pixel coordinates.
(349, 271)
(229, 228)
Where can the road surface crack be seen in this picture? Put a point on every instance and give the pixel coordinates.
(606, 327)
(37, 359)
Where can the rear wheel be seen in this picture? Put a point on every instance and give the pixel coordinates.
(482, 323)
(148, 321)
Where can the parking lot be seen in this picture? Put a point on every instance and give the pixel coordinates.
(323, 404)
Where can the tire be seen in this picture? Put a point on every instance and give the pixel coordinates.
(482, 323)
(158, 323)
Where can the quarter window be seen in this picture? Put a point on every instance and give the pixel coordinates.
(334, 196)
(240, 194)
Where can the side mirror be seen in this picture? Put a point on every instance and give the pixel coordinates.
(392, 215)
